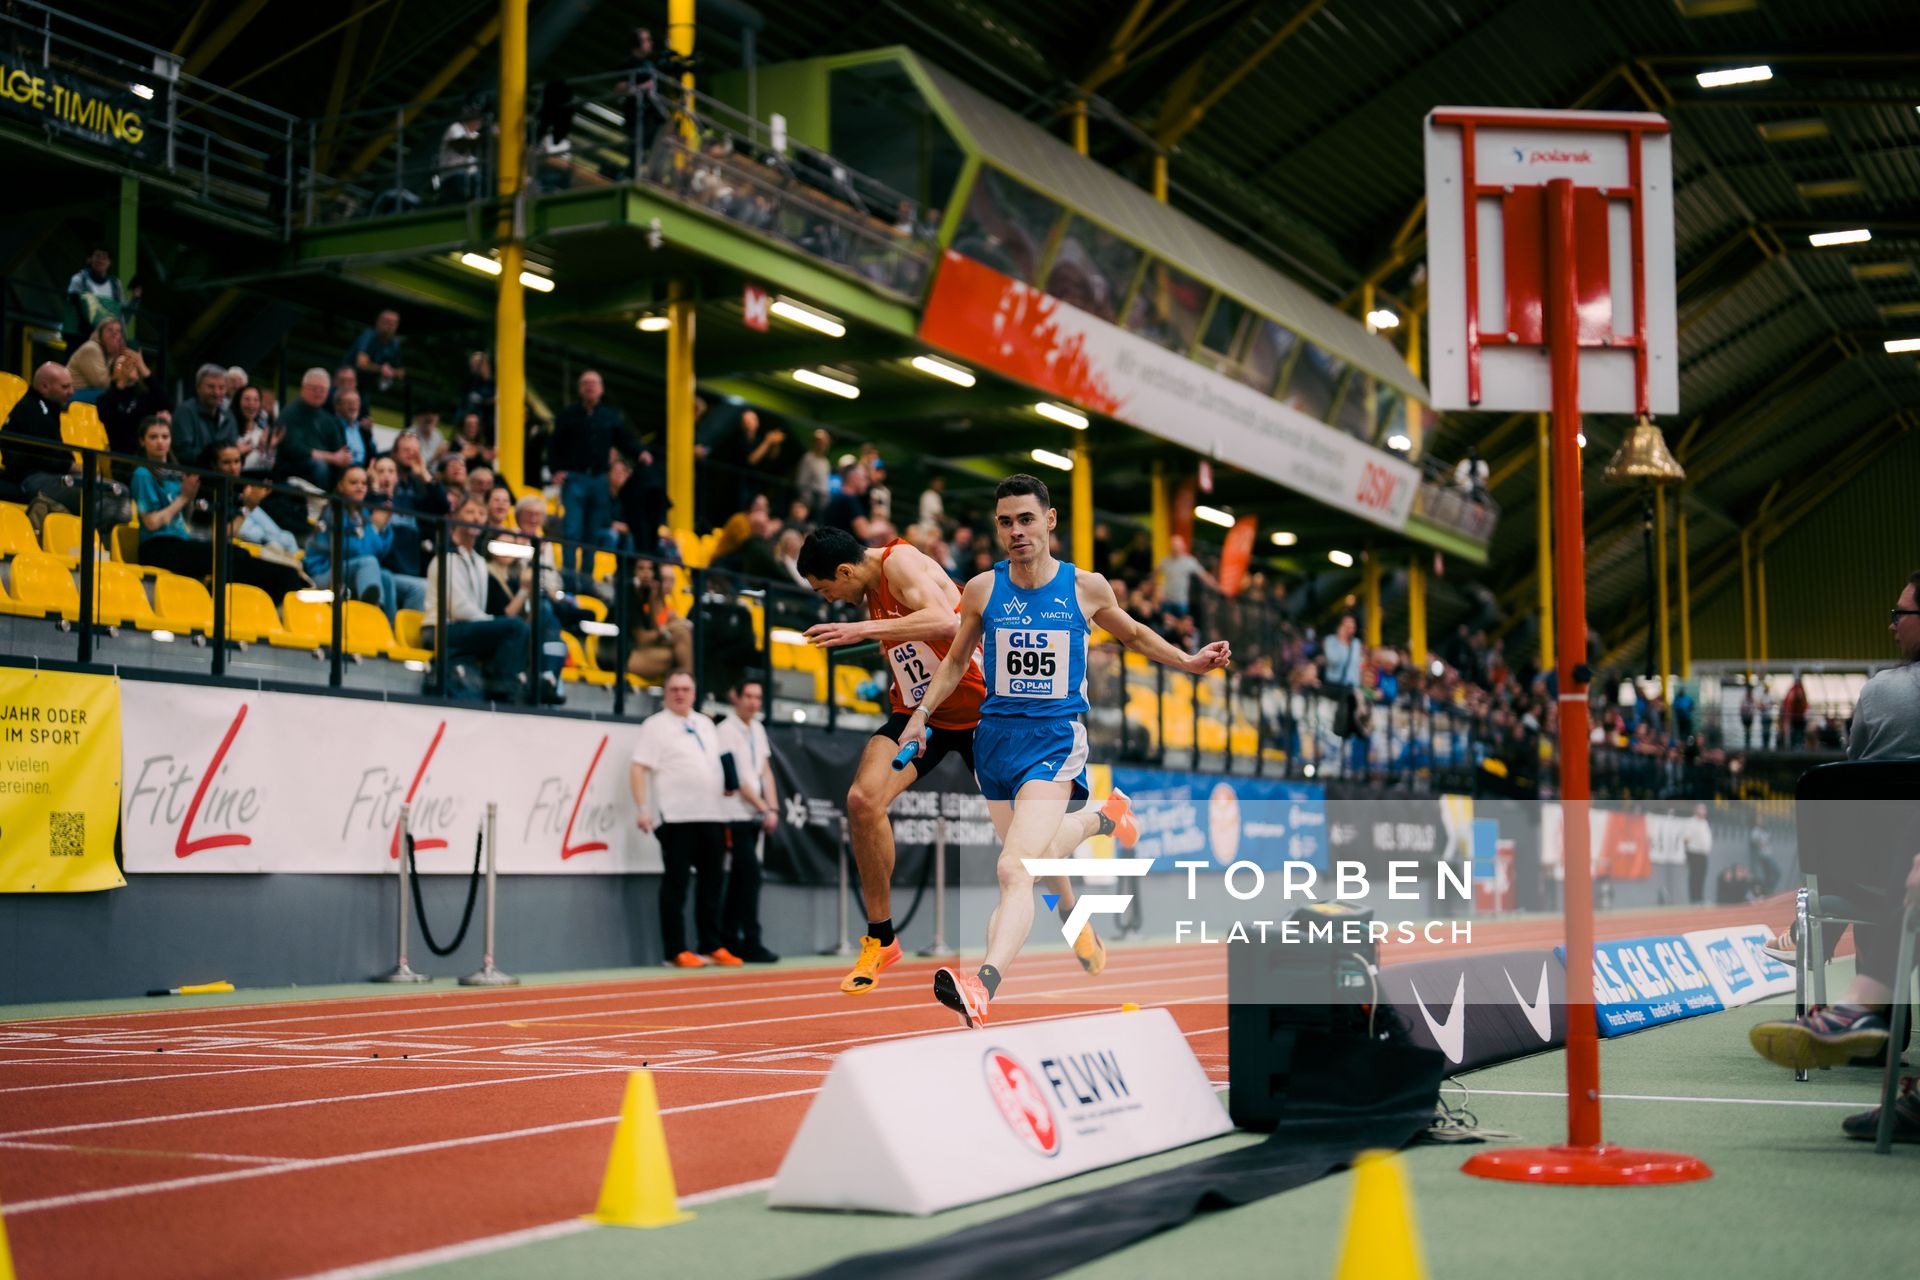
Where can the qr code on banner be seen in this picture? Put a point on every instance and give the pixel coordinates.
(67, 835)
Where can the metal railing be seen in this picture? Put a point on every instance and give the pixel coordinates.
(1440, 498)
(232, 152)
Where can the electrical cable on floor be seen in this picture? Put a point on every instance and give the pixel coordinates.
(1455, 1122)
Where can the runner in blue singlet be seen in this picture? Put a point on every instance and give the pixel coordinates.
(1033, 614)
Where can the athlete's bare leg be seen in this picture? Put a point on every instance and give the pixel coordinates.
(1028, 826)
(875, 786)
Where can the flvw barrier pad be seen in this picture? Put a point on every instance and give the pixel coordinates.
(1740, 971)
(917, 1126)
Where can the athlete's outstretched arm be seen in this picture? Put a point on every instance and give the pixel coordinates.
(953, 668)
(1136, 635)
(918, 584)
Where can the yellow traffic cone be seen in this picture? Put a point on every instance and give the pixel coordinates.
(638, 1189)
(1383, 1241)
(6, 1258)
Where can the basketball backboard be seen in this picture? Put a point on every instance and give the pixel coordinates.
(1487, 170)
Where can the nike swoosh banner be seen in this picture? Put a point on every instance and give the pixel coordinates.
(1481, 1009)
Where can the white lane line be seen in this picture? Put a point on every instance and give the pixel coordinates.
(394, 1064)
(512, 1239)
(69, 1148)
(418, 1148)
(1661, 1097)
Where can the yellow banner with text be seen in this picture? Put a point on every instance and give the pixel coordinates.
(59, 781)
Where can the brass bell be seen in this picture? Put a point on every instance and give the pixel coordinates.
(1643, 459)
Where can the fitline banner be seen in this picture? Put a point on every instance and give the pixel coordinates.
(980, 315)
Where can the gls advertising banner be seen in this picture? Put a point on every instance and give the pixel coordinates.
(1643, 982)
(1740, 971)
(217, 780)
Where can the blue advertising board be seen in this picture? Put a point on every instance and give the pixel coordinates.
(1187, 816)
(1643, 982)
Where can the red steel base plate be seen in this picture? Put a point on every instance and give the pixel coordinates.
(1587, 1166)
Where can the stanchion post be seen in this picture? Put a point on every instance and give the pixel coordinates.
(940, 947)
(488, 976)
(402, 971)
(842, 939)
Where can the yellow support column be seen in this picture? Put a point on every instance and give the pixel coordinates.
(1660, 592)
(1083, 507)
(510, 311)
(1416, 421)
(1746, 602)
(680, 36)
(1370, 589)
(1160, 177)
(1417, 613)
(680, 408)
(1686, 605)
(1760, 599)
(1162, 516)
(1079, 121)
(1543, 538)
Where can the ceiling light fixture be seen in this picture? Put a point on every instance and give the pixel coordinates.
(1383, 319)
(1733, 75)
(1213, 515)
(801, 314)
(653, 324)
(1061, 414)
(935, 367)
(1049, 458)
(1895, 346)
(1827, 239)
(1342, 558)
(1281, 538)
(822, 382)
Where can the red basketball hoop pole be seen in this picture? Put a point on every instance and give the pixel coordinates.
(1586, 1159)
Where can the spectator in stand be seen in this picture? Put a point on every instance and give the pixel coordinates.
(1864, 861)
(94, 294)
(1470, 475)
(1749, 705)
(933, 509)
(457, 175)
(641, 105)
(753, 811)
(756, 557)
(1764, 704)
(474, 633)
(679, 789)
(426, 434)
(500, 507)
(552, 156)
(848, 509)
(252, 420)
(130, 400)
(471, 439)
(162, 496)
(236, 379)
(452, 485)
(405, 560)
(30, 472)
(1683, 708)
(659, 639)
(368, 538)
(556, 610)
(354, 427)
(1176, 575)
(1345, 654)
(204, 422)
(92, 363)
(315, 447)
(879, 498)
(1793, 715)
(585, 434)
(414, 488)
(813, 477)
(480, 484)
(375, 354)
(480, 394)
(787, 552)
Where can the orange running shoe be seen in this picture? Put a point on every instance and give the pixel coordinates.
(1089, 950)
(724, 958)
(1118, 810)
(963, 993)
(866, 970)
(686, 960)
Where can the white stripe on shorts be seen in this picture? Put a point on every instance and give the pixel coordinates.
(1077, 758)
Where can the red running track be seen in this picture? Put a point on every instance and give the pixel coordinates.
(286, 1139)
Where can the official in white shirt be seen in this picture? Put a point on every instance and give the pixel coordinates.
(752, 811)
(1697, 839)
(679, 795)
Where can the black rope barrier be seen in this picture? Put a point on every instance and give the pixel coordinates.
(420, 905)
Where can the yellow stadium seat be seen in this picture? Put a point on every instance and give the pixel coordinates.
(309, 622)
(407, 625)
(576, 668)
(251, 617)
(80, 425)
(1245, 740)
(13, 388)
(783, 654)
(811, 661)
(593, 604)
(1213, 736)
(121, 599)
(9, 607)
(605, 565)
(184, 605)
(42, 583)
(16, 531)
(590, 668)
(846, 690)
(365, 632)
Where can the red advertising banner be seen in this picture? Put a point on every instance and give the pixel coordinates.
(1235, 554)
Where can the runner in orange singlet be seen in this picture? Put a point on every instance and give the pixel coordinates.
(912, 614)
